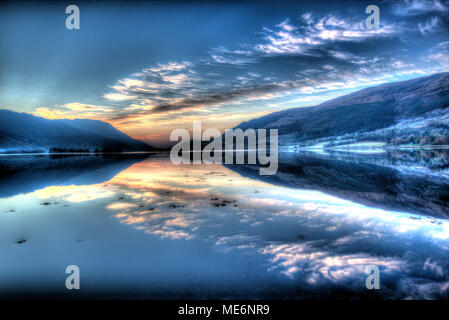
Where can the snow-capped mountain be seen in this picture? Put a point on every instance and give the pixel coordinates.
(407, 112)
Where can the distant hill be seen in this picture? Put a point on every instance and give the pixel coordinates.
(23, 132)
(407, 112)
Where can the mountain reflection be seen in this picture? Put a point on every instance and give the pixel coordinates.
(412, 181)
(305, 233)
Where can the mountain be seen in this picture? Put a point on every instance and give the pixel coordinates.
(23, 132)
(407, 112)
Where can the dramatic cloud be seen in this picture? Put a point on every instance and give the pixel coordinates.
(322, 53)
(294, 63)
(317, 31)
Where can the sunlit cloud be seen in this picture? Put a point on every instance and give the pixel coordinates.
(297, 62)
(74, 110)
(119, 97)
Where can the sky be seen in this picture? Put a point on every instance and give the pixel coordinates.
(149, 67)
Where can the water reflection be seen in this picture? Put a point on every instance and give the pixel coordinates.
(209, 231)
(411, 181)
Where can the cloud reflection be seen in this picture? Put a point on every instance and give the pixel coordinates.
(311, 238)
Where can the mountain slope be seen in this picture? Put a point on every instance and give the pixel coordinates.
(414, 111)
(22, 132)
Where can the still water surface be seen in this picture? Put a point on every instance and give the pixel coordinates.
(139, 227)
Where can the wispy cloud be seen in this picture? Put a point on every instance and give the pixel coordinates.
(429, 26)
(295, 62)
(418, 7)
(75, 110)
(314, 31)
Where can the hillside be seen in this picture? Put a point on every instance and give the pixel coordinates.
(22, 132)
(407, 112)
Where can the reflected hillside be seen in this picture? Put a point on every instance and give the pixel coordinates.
(23, 174)
(415, 181)
(209, 228)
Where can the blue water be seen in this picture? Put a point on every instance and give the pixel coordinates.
(143, 228)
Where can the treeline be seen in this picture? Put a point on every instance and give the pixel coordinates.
(67, 150)
(430, 135)
(80, 150)
(12, 151)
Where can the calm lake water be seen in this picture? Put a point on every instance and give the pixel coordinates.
(139, 227)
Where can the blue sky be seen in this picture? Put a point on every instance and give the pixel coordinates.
(150, 67)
